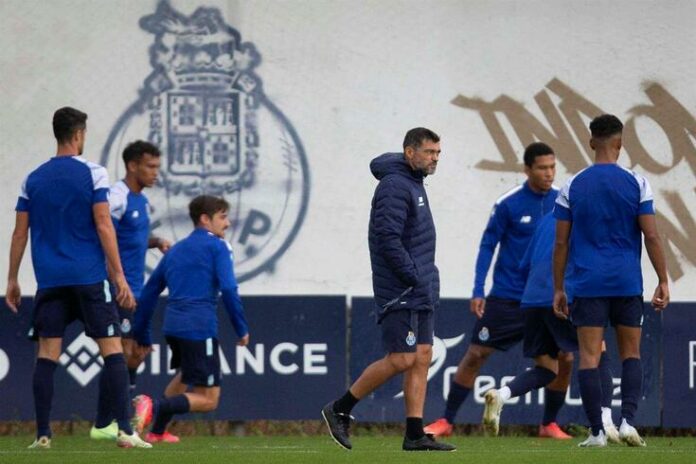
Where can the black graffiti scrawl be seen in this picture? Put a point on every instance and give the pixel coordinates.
(204, 106)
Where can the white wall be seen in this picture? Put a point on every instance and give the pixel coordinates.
(352, 77)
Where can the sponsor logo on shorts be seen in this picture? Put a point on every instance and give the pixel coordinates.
(483, 334)
(125, 326)
(411, 339)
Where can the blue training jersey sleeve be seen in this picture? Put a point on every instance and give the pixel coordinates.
(142, 319)
(23, 200)
(495, 229)
(224, 271)
(646, 196)
(561, 209)
(100, 182)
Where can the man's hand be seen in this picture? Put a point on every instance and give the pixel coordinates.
(163, 245)
(660, 299)
(124, 295)
(244, 341)
(560, 304)
(478, 306)
(13, 295)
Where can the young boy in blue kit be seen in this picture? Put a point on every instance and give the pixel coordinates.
(195, 270)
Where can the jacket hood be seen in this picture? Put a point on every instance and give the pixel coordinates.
(392, 163)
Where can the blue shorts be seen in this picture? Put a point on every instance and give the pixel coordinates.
(544, 333)
(600, 312)
(403, 329)
(199, 361)
(57, 307)
(125, 318)
(502, 324)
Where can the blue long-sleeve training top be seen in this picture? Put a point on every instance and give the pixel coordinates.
(195, 271)
(513, 220)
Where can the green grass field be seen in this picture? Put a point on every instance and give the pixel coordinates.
(320, 449)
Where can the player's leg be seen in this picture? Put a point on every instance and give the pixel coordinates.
(415, 386)
(399, 342)
(627, 318)
(132, 361)
(607, 379)
(158, 432)
(590, 316)
(51, 315)
(99, 314)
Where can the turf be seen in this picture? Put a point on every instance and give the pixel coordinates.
(320, 449)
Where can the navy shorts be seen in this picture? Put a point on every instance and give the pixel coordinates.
(403, 329)
(125, 318)
(57, 307)
(502, 324)
(544, 333)
(199, 361)
(600, 312)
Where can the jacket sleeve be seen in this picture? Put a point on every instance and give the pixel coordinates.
(494, 232)
(142, 318)
(390, 211)
(224, 270)
(435, 289)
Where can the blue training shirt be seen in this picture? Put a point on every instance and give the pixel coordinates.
(603, 203)
(513, 220)
(537, 267)
(59, 196)
(195, 270)
(131, 218)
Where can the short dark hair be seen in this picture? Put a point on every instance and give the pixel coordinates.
(67, 121)
(136, 150)
(536, 149)
(206, 204)
(415, 137)
(604, 126)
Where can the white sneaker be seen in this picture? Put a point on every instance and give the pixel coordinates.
(612, 432)
(41, 443)
(629, 435)
(594, 441)
(491, 412)
(131, 441)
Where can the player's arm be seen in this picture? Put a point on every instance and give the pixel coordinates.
(653, 244)
(224, 270)
(391, 206)
(560, 261)
(142, 318)
(162, 244)
(107, 237)
(492, 235)
(20, 236)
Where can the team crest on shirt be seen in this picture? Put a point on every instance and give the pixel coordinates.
(410, 338)
(204, 106)
(483, 334)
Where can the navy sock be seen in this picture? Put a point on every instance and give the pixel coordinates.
(553, 402)
(166, 408)
(104, 402)
(591, 394)
(532, 379)
(116, 378)
(43, 395)
(132, 374)
(631, 385)
(345, 404)
(414, 428)
(607, 379)
(455, 398)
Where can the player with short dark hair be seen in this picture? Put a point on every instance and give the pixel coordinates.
(601, 213)
(130, 212)
(64, 205)
(500, 322)
(405, 280)
(195, 270)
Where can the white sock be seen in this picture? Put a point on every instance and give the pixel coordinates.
(505, 393)
(606, 416)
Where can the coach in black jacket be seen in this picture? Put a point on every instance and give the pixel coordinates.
(406, 287)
